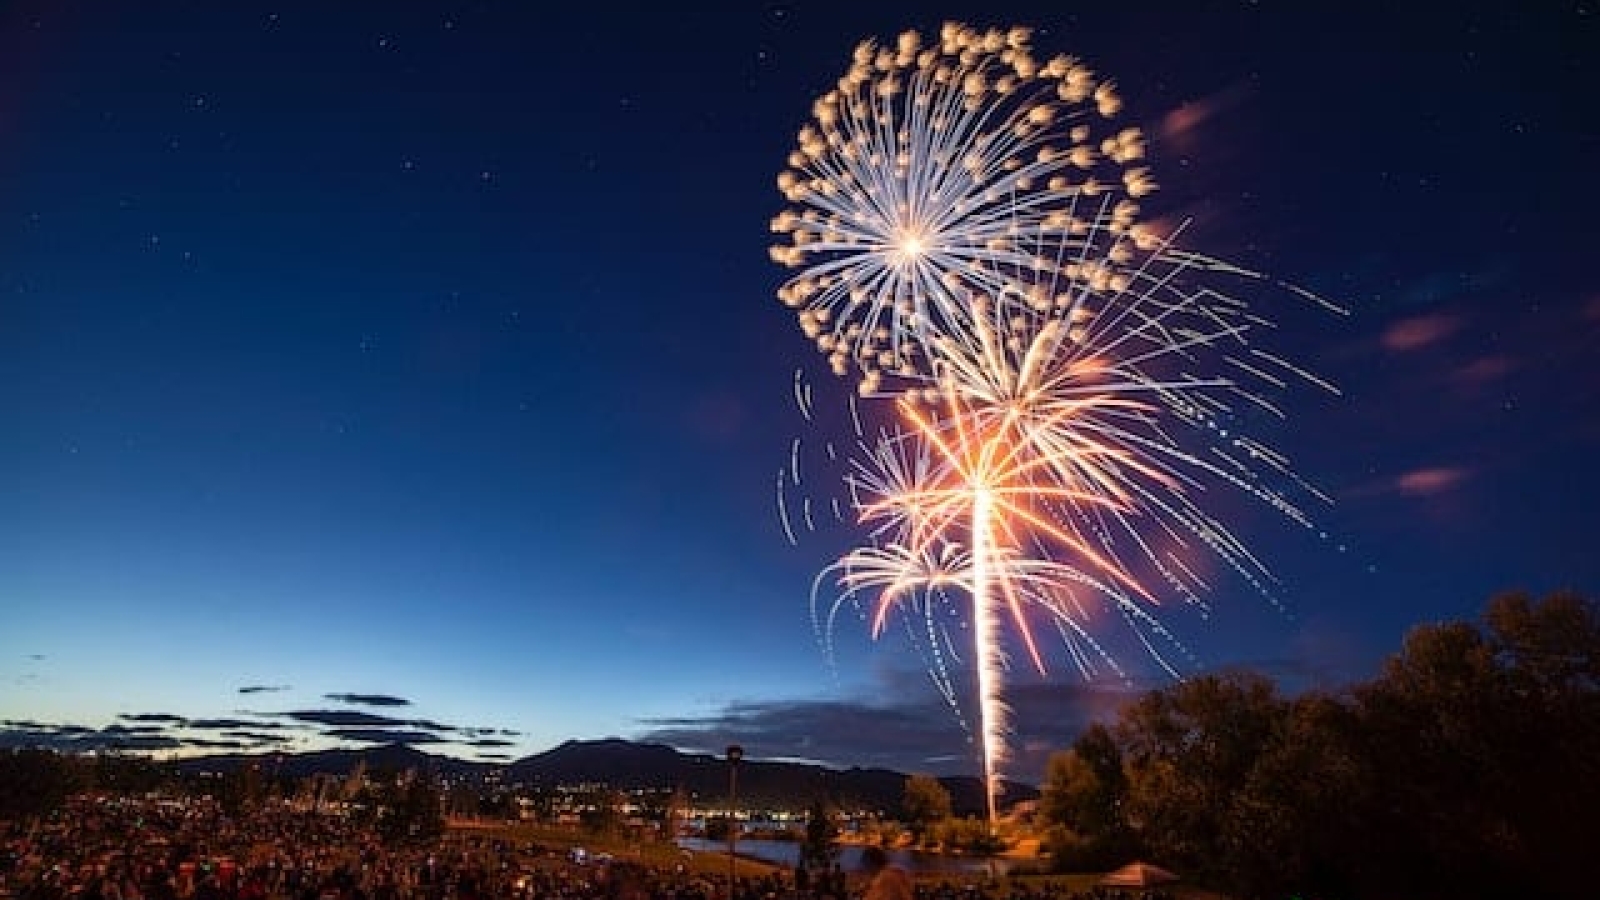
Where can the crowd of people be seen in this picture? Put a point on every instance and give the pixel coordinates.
(120, 848)
(155, 848)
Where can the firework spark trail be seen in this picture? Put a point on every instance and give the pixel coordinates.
(783, 513)
(985, 636)
(1065, 377)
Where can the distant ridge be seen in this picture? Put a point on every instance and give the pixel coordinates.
(628, 765)
(388, 757)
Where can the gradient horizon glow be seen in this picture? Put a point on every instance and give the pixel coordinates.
(428, 351)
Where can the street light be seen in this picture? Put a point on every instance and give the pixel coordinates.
(735, 753)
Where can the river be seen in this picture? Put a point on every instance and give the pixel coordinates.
(787, 853)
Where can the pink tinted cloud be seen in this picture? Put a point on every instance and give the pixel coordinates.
(1485, 369)
(1184, 119)
(1418, 332)
(1426, 482)
(1183, 122)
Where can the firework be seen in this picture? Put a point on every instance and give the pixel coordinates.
(915, 176)
(1067, 382)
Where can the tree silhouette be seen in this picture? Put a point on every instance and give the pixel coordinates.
(926, 803)
(1081, 803)
(1470, 766)
(817, 850)
(35, 781)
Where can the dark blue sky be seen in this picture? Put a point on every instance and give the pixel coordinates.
(429, 351)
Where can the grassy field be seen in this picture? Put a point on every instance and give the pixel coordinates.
(651, 853)
(715, 865)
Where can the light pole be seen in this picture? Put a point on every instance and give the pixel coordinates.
(735, 753)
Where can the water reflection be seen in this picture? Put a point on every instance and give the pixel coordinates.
(787, 853)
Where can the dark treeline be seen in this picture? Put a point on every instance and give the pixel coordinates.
(35, 781)
(398, 806)
(1469, 767)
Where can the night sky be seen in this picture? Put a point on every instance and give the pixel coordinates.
(373, 369)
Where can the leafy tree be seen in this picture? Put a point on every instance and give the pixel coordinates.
(409, 809)
(1081, 802)
(970, 835)
(663, 809)
(116, 772)
(1469, 767)
(1550, 653)
(602, 813)
(35, 781)
(1550, 649)
(926, 803)
(464, 800)
(541, 804)
(817, 849)
(881, 831)
(242, 789)
(1294, 826)
(1485, 747)
(1190, 751)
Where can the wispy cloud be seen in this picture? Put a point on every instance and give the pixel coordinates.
(259, 737)
(483, 731)
(341, 723)
(1419, 332)
(834, 732)
(136, 728)
(1485, 369)
(384, 736)
(368, 699)
(258, 730)
(1429, 481)
(221, 724)
(1181, 123)
(263, 688)
(167, 718)
(908, 736)
(215, 744)
(341, 718)
(78, 739)
(24, 724)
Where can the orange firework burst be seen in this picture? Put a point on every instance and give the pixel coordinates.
(990, 484)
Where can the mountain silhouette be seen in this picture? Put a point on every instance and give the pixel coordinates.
(627, 765)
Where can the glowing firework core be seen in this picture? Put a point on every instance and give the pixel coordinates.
(909, 244)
